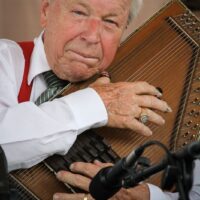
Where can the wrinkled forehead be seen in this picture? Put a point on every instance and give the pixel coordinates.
(112, 6)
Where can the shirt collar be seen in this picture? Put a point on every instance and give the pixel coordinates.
(39, 62)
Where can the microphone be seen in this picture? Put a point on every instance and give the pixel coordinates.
(191, 151)
(108, 181)
(185, 156)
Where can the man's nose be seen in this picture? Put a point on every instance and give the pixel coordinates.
(92, 31)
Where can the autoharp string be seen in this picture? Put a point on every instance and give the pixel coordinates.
(179, 50)
(163, 56)
(172, 90)
(180, 57)
(33, 175)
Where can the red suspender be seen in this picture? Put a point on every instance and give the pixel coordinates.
(25, 90)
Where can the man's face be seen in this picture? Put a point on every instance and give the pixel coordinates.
(81, 36)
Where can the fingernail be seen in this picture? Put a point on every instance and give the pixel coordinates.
(159, 93)
(55, 197)
(71, 167)
(58, 175)
(163, 121)
(97, 161)
(149, 133)
(168, 109)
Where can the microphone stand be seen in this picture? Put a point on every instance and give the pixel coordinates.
(133, 169)
(178, 170)
(184, 176)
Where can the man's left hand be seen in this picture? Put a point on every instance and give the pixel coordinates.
(81, 176)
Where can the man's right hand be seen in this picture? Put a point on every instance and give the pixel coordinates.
(127, 101)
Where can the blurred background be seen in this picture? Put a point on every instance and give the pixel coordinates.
(19, 19)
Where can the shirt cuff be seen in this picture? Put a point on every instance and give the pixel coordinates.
(88, 109)
(156, 193)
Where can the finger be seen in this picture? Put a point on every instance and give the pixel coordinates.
(104, 79)
(142, 87)
(75, 180)
(88, 169)
(131, 123)
(101, 81)
(66, 196)
(153, 103)
(140, 128)
(102, 165)
(153, 117)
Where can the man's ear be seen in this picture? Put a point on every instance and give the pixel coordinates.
(44, 9)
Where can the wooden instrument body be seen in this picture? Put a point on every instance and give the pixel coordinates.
(165, 53)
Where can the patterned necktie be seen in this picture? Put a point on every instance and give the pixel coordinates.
(54, 86)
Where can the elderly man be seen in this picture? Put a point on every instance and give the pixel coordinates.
(79, 40)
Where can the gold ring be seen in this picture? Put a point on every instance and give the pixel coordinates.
(85, 197)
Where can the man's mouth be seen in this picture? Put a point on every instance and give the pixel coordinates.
(83, 58)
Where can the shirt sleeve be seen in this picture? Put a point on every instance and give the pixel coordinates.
(50, 128)
(195, 191)
(157, 194)
(30, 133)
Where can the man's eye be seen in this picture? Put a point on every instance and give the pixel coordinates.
(111, 22)
(78, 12)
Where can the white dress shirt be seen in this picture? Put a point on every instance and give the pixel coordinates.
(30, 133)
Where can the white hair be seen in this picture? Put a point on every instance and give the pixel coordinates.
(135, 8)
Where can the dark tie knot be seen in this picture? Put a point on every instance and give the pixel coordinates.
(53, 81)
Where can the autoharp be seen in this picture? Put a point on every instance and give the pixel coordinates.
(165, 53)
